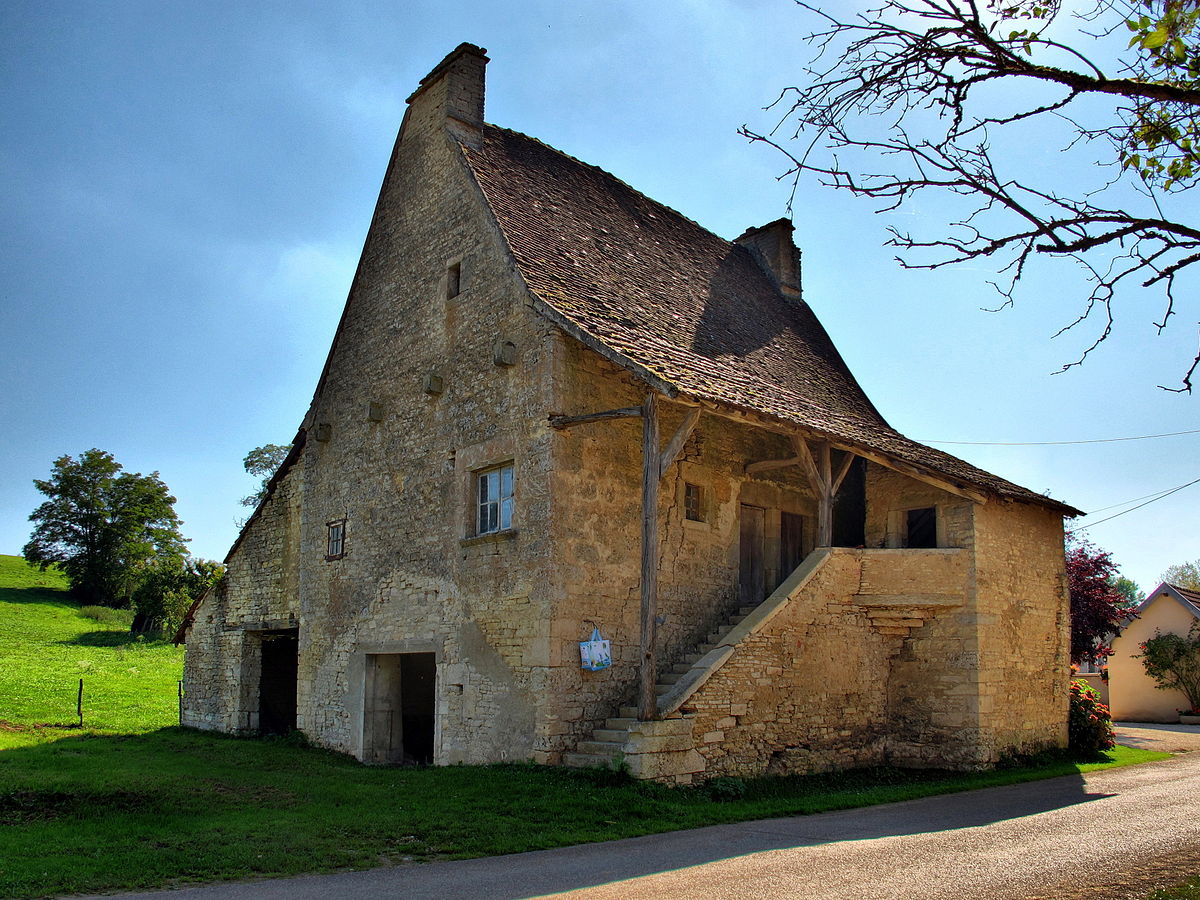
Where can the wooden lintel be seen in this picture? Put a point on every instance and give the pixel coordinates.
(682, 433)
(627, 412)
(767, 464)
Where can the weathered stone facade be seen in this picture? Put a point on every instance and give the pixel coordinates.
(365, 569)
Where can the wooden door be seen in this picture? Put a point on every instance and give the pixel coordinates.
(791, 544)
(752, 586)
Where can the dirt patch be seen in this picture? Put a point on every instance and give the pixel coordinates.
(24, 807)
(1132, 880)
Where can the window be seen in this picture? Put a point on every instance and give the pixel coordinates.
(495, 500)
(335, 546)
(693, 502)
(922, 527)
(453, 280)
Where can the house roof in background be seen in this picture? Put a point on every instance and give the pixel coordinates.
(1188, 598)
(688, 311)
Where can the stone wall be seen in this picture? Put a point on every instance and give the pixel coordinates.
(423, 388)
(1023, 622)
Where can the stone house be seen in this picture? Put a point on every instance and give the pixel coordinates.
(552, 405)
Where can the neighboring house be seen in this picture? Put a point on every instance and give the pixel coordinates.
(1133, 696)
(552, 405)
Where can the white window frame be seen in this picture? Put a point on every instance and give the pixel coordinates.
(335, 539)
(495, 499)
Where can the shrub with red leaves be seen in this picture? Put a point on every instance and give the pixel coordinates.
(1097, 606)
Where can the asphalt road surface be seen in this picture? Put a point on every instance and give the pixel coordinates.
(1065, 837)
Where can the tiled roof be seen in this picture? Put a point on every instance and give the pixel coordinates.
(693, 311)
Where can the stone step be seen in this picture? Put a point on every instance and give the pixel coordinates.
(620, 723)
(611, 735)
(628, 712)
(707, 648)
(681, 668)
(670, 678)
(586, 760)
(690, 659)
(746, 610)
(597, 748)
(734, 620)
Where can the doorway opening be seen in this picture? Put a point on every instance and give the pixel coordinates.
(850, 507)
(277, 681)
(399, 703)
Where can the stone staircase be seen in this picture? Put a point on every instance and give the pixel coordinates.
(604, 746)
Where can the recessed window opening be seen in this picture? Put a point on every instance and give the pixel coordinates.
(495, 496)
(335, 545)
(693, 502)
(453, 280)
(922, 528)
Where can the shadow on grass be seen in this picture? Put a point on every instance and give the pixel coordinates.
(115, 638)
(38, 595)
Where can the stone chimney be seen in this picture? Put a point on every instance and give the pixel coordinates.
(453, 92)
(776, 252)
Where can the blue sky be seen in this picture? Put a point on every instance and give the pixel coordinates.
(187, 187)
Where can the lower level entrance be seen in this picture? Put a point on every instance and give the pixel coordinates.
(398, 714)
(277, 681)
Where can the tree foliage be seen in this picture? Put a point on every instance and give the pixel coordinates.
(1097, 606)
(1184, 575)
(102, 526)
(1131, 594)
(166, 591)
(919, 96)
(263, 462)
(1173, 661)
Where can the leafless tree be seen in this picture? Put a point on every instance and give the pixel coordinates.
(923, 88)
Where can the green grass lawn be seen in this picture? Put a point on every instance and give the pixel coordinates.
(46, 645)
(131, 801)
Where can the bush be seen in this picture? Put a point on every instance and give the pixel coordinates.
(106, 615)
(1173, 661)
(1089, 727)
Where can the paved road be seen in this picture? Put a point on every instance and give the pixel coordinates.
(1007, 843)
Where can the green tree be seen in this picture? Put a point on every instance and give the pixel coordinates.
(263, 462)
(1173, 661)
(102, 526)
(914, 97)
(1129, 590)
(166, 591)
(1184, 575)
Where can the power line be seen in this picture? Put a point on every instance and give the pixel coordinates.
(1162, 495)
(1141, 437)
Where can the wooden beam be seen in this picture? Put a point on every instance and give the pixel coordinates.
(651, 469)
(682, 433)
(767, 464)
(847, 461)
(825, 501)
(920, 474)
(627, 412)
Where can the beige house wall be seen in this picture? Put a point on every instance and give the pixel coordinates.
(1133, 693)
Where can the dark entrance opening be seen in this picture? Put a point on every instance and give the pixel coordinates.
(277, 681)
(398, 713)
(850, 507)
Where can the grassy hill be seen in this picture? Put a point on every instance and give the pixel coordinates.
(48, 642)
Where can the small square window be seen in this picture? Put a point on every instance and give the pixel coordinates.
(335, 544)
(693, 502)
(494, 493)
(922, 528)
(453, 280)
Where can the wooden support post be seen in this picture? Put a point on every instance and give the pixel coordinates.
(651, 467)
(820, 476)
